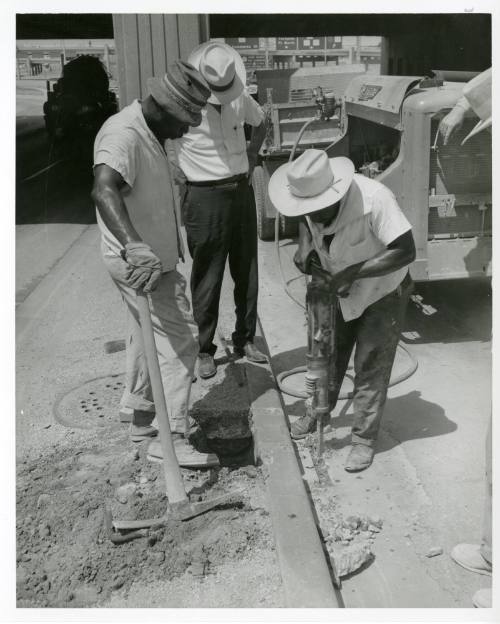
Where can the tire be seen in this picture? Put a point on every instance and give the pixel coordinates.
(265, 224)
(289, 227)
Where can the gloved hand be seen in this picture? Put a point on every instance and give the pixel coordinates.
(144, 268)
(303, 260)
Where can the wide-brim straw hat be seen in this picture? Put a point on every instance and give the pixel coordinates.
(182, 92)
(223, 69)
(478, 94)
(310, 183)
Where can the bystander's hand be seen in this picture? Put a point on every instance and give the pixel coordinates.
(144, 267)
(451, 123)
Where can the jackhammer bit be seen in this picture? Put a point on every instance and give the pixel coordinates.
(320, 306)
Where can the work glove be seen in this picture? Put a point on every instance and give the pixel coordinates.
(144, 268)
(303, 260)
(340, 281)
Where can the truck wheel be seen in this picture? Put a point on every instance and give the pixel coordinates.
(265, 225)
(289, 227)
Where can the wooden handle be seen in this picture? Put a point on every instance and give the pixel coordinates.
(173, 477)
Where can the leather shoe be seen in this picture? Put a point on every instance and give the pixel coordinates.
(139, 433)
(306, 424)
(187, 455)
(206, 366)
(469, 557)
(303, 426)
(252, 354)
(359, 458)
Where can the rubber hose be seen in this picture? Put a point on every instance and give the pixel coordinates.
(302, 369)
(344, 395)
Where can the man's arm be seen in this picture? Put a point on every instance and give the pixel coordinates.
(399, 253)
(302, 257)
(144, 267)
(256, 139)
(107, 195)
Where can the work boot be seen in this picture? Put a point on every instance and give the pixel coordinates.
(306, 424)
(126, 414)
(482, 598)
(359, 458)
(469, 557)
(187, 455)
(206, 365)
(251, 353)
(143, 426)
(139, 433)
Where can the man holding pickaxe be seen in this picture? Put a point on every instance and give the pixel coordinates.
(141, 244)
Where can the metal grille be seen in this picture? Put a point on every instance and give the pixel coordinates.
(301, 95)
(459, 168)
(468, 221)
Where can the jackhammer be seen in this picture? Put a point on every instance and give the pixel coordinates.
(321, 303)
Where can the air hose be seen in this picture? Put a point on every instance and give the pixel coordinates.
(286, 283)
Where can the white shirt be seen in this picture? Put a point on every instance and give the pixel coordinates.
(127, 145)
(369, 219)
(216, 149)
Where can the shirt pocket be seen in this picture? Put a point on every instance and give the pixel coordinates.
(234, 133)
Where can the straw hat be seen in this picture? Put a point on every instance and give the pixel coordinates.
(223, 69)
(478, 94)
(182, 92)
(310, 183)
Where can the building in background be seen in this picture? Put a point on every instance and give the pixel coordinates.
(298, 52)
(44, 58)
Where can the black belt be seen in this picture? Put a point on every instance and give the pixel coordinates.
(232, 180)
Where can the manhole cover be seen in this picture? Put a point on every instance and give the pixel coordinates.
(95, 403)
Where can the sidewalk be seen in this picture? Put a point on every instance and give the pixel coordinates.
(426, 481)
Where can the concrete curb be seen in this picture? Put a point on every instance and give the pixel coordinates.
(306, 577)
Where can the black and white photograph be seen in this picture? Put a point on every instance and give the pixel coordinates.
(253, 311)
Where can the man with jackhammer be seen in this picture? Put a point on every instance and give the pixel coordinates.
(357, 244)
(141, 244)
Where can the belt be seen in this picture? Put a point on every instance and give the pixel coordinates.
(232, 180)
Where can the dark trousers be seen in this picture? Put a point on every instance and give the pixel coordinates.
(220, 223)
(375, 336)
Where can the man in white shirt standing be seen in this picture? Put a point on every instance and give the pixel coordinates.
(357, 240)
(141, 246)
(219, 204)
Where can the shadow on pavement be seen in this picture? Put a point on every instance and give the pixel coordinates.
(450, 311)
(407, 417)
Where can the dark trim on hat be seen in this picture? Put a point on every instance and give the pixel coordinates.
(189, 96)
(221, 89)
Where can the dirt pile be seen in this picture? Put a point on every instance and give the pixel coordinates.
(64, 556)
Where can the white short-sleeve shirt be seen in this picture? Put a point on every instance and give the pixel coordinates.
(369, 219)
(127, 145)
(216, 149)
